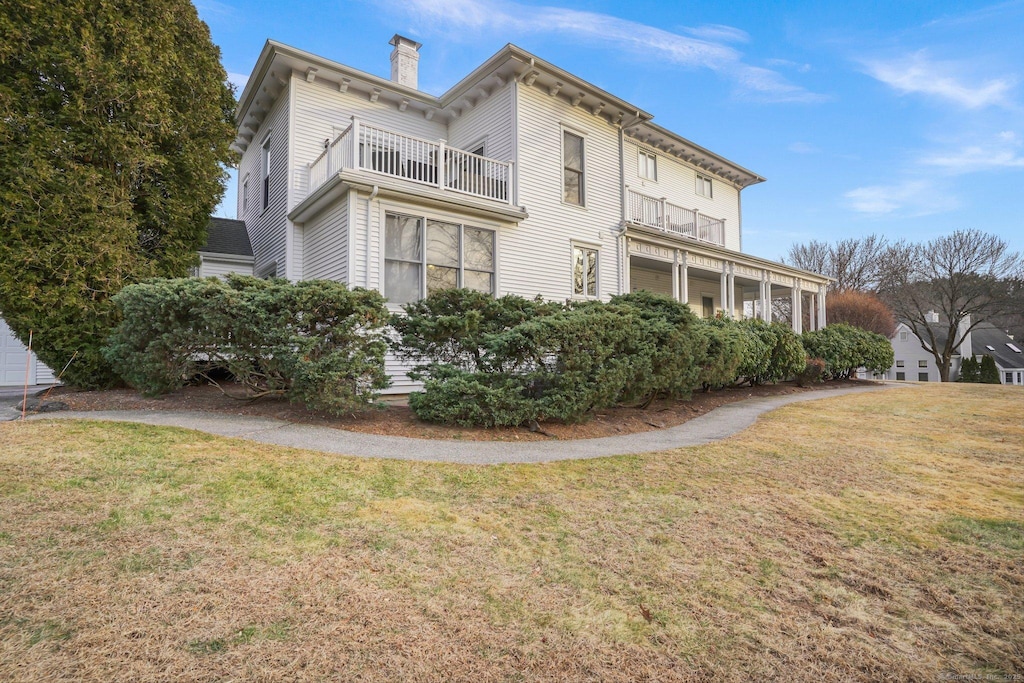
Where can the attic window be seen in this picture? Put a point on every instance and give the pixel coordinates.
(1013, 348)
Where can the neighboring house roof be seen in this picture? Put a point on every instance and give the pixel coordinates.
(984, 336)
(277, 62)
(227, 236)
(940, 330)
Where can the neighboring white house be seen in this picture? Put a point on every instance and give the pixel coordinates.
(522, 178)
(226, 250)
(913, 363)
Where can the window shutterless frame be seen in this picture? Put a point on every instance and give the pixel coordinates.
(585, 271)
(423, 254)
(574, 161)
(265, 171)
(647, 165)
(704, 187)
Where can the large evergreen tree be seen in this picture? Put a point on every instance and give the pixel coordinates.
(115, 126)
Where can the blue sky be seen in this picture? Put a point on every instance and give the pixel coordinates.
(898, 118)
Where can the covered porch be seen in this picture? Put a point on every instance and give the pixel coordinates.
(727, 283)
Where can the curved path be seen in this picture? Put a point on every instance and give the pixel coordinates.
(712, 426)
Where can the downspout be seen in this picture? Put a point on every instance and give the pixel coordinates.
(369, 209)
(620, 244)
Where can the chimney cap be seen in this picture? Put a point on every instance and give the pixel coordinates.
(402, 40)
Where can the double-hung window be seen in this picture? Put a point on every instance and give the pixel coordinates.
(703, 186)
(265, 172)
(648, 163)
(424, 255)
(572, 168)
(584, 271)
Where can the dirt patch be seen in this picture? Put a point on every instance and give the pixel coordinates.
(396, 419)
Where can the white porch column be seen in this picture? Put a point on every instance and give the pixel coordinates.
(724, 294)
(798, 312)
(675, 274)
(822, 293)
(684, 278)
(766, 296)
(731, 282)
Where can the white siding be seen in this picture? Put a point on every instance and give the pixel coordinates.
(268, 227)
(213, 266)
(322, 113)
(489, 122)
(536, 255)
(651, 280)
(700, 288)
(325, 244)
(13, 357)
(677, 182)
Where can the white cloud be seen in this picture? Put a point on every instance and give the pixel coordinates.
(803, 148)
(910, 197)
(729, 34)
(1002, 153)
(917, 73)
(789, 64)
(703, 48)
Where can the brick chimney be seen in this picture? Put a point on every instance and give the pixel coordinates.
(405, 60)
(931, 317)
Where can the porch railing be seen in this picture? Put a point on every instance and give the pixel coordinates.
(671, 218)
(365, 147)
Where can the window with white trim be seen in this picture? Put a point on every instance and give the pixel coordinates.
(265, 171)
(899, 364)
(573, 180)
(424, 255)
(245, 195)
(922, 363)
(648, 165)
(584, 271)
(704, 186)
(904, 336)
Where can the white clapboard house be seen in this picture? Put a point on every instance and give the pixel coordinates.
(226, 250)
(522, 178)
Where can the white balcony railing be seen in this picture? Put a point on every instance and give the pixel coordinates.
(668, 217)
(364, 147)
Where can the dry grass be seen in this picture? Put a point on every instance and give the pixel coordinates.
(863, 537)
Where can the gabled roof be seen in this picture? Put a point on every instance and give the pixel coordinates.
(226, 236)
(986, 335)
(277, 62)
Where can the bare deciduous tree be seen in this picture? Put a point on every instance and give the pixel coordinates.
(967, 277)
(851, 263)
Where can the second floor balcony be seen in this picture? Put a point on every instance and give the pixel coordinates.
(663, 215)
(365, 147)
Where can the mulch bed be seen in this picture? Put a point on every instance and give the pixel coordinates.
(396, 419)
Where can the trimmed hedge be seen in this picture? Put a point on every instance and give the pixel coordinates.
(316, 341)
(507, 367)
(845, 348)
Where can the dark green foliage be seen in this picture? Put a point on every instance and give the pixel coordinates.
(730, 350)
(314, 341)
(515, 360)
(970, 370)
(845, 348)
(813, 372)
(450, 326)
(988, 372)
(115, 123)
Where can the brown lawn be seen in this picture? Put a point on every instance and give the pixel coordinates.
(862, 537)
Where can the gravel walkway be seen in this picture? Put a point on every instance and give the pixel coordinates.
(718, 424)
